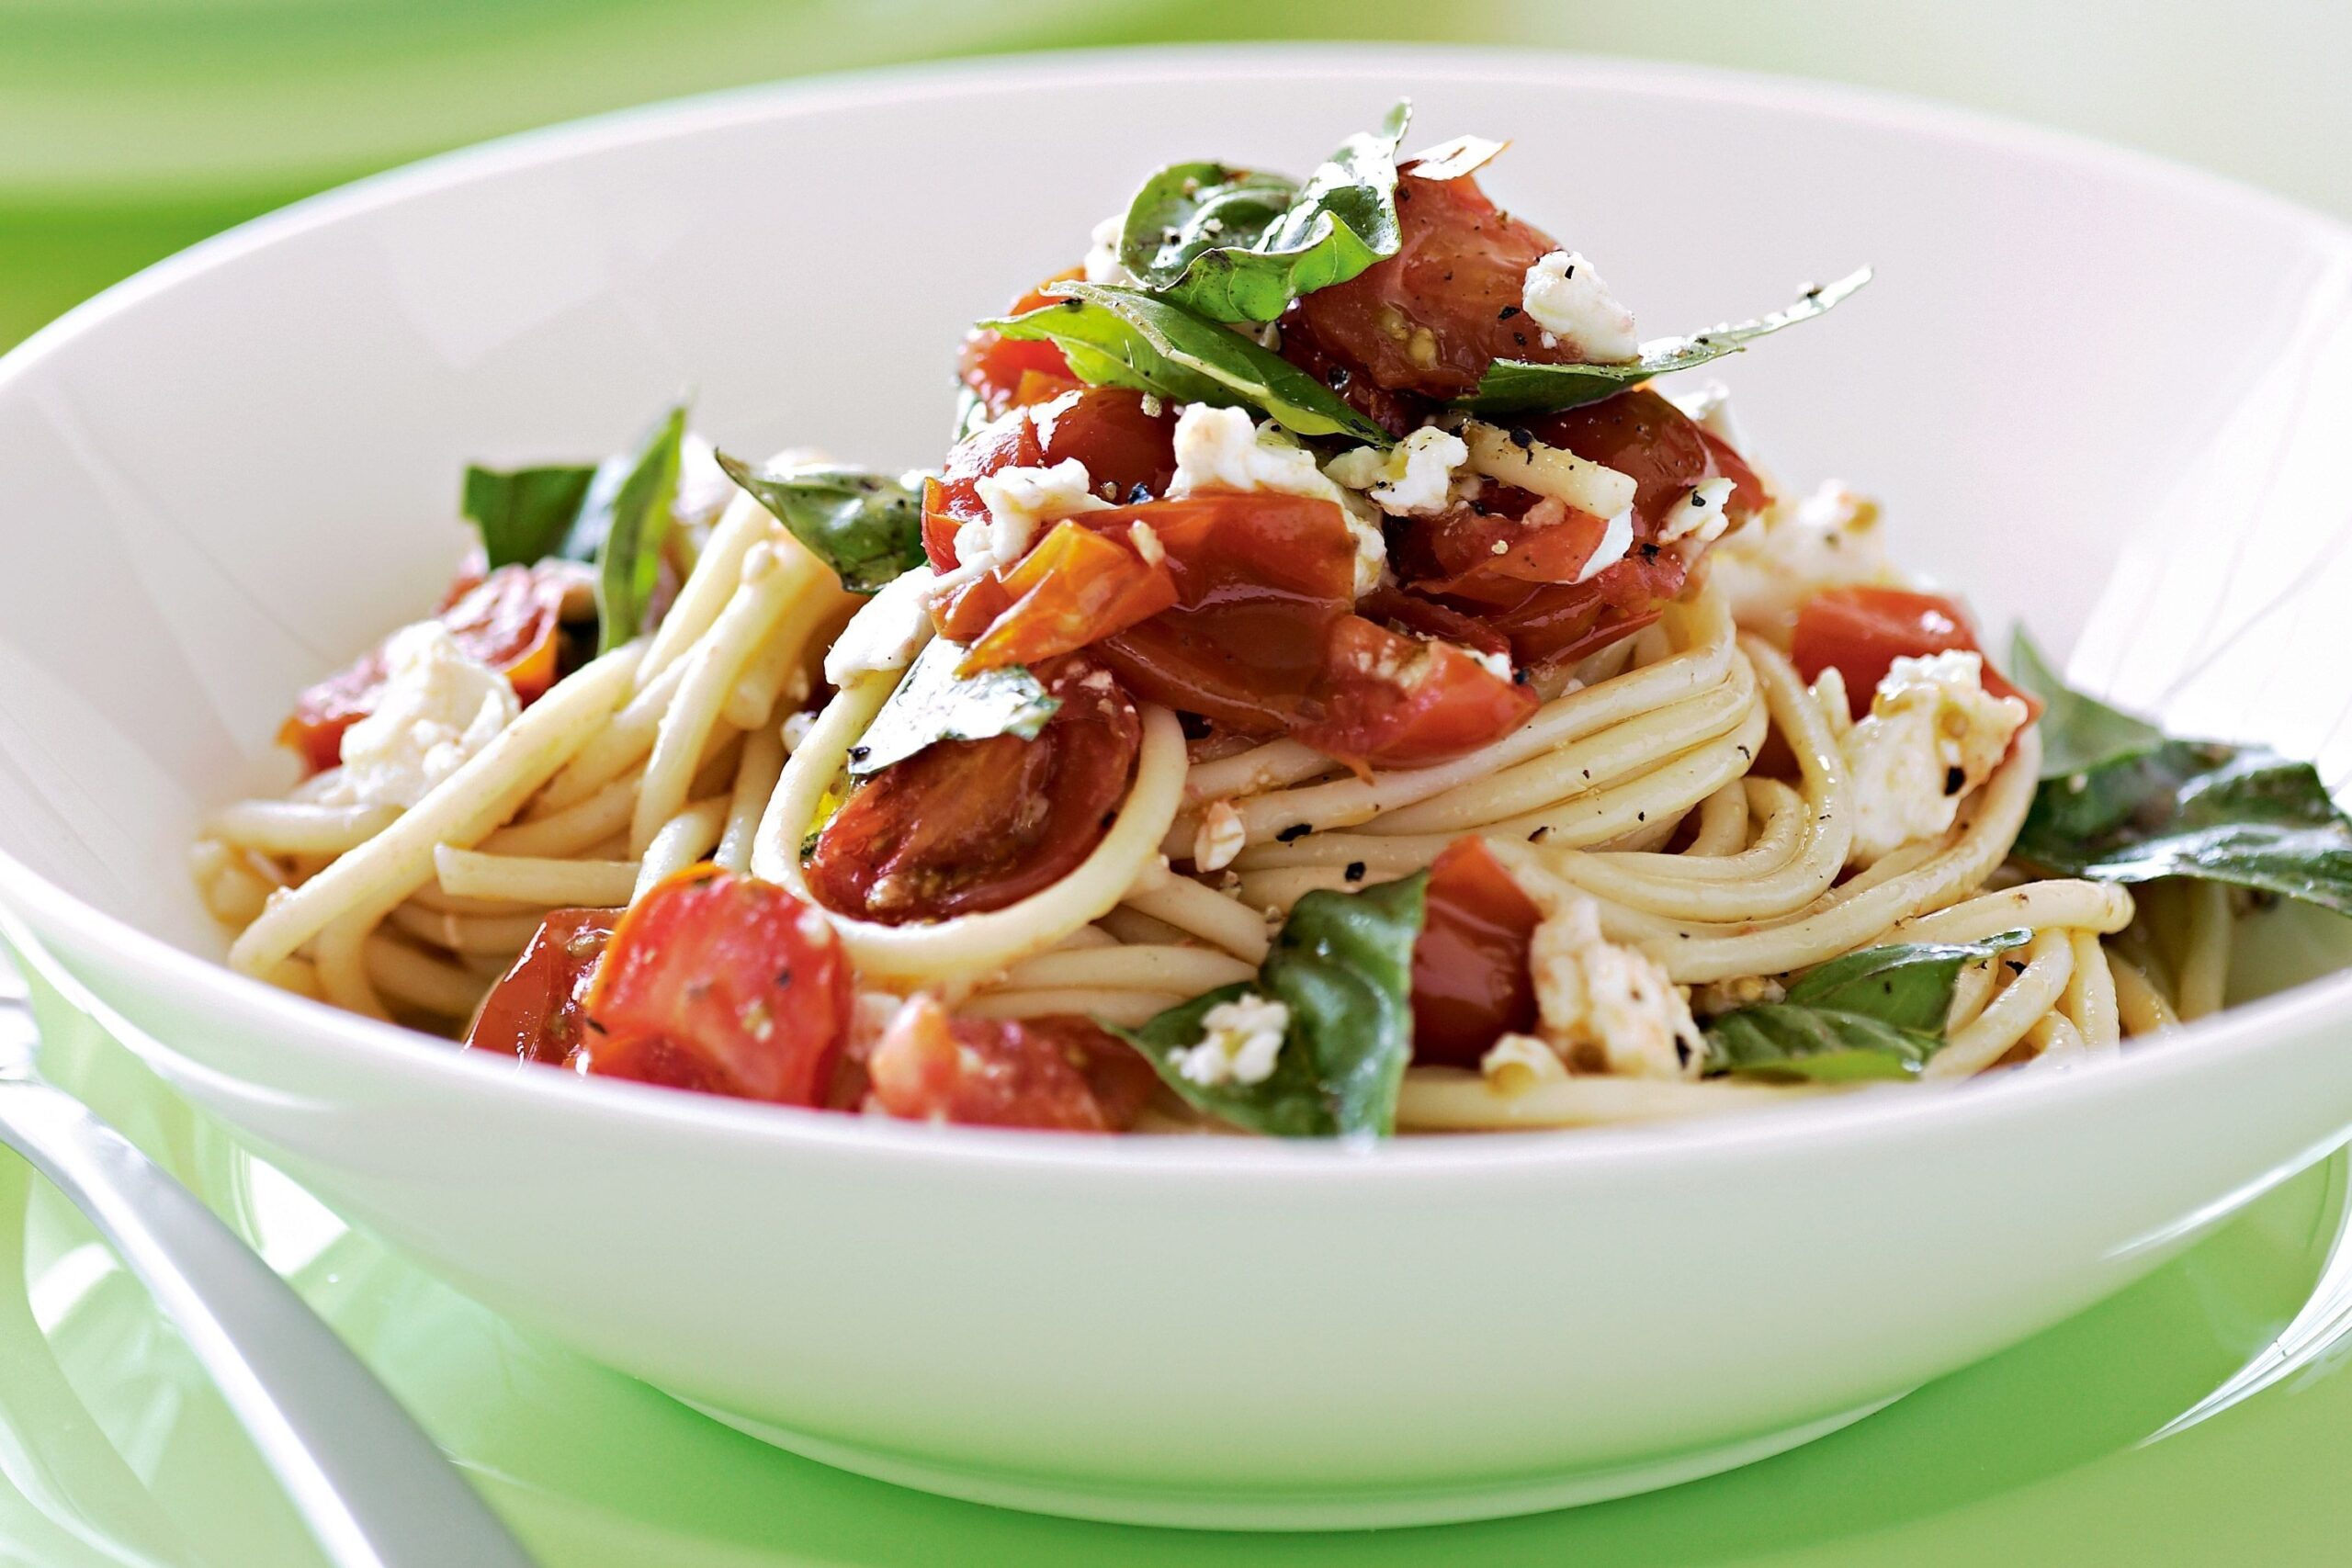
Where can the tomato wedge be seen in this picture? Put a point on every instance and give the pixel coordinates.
(964, 825)
(1076, 587)
(1642, 434)
(1432, 317)
(1007, 373)
(539, 1009)
(1061, 1073)
(1494, 548)
(1386, 700)
(1863, 631)
(724, 983)
(1471, 984)
(1112, 431)
(510, 620)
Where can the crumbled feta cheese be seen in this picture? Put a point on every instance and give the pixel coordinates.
(1412, 479)
(1564, 295)
(1145, 539)
(1219, 837)
(1699, 516)
(1240, 1042)
(1616, 544)
(1552, 471)
(1932, 735)
(439, 707)
(1102, 263)
(1780, 559)
(1044, 417)
(1496, 664)
(1221, 449)
(796, 730)
(1023, 501)
(1517, 1063)
(1709, 407)
(1605, 1008)
(887, 631)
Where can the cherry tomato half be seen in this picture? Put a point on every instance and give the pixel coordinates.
(1386, 700)
(1078, 586)
(1008, 372)
(1471, 984)
(1863, 631)
(721, 982)
(539, 1009)
(1061, 1073)
(1109, 429)
(964, 825)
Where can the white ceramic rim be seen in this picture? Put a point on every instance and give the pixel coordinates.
(2208, 1047)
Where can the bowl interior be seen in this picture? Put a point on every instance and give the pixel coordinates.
(2095, 393)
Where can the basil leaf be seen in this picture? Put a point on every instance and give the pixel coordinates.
(2079, 734)
(1239, 245)
(627, 507)
(931, 703)
(1878, 1013)
(868, 528)
(528, 515)
(2199, 808)
(1122, 337)
(1343, 965)
(1519, 386)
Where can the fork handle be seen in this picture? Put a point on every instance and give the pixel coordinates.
(373, 1488)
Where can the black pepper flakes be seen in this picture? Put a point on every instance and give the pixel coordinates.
(783, 978)
(1519, 677)
(1953, 779)
(1138, 493)
(1337, 377)
(1507, 312)
(1194, 727)
(859, 753)
(1522, 437)
(1293, 833)
(1355, 871)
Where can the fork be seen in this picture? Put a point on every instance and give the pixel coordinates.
(374, 1490)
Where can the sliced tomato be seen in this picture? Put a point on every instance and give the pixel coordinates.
(1431, 317)
(1386, 700)
(539, 1009)
(1124, 445)
(510, 620)
(1076, 587)
(1061, 1073)
(1396, 411)
(964, 825)
(1007, 372)
(1260, 579)
(1471, 984)
(1642, 434)
(1863, 631)
(1491, 549)
(724, 983)
(1406, 611)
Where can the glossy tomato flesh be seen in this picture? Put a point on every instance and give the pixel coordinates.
(539, 1010)
(1008, 372)
(721, 982)
(1076, 587)
(1061, 1073)
(964, 825)
(1386, 700)
(1471, 984)
(1863, 631)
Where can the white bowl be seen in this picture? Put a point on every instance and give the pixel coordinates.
(2095, 392)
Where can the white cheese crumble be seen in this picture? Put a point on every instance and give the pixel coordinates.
(1145, 539)
(1020, 501)
(1932, 735)
(1496, 664)
(1564, 295)
(1699, 516)
(1603, 1007)
(796, 730)
(1220, 449)
(1616, 544)
(1219, 837)
(887, 631)
(439, 707)
(1830, 539)
(1412, 479)
(1240, 1040)
(1103, 263)
(1517, 1063)
(1709, 407)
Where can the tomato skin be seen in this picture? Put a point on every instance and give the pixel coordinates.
(1460, 265)
(1007, 373)
(724, 983)
(1109, 429)
(1398, 413)
(1471, 984)
(965, 826)
(1486, 552)
(511, 620)
(1060, 1073)
(1439, 703)
(1863, 630)
(1075, 587)
(539, 1009)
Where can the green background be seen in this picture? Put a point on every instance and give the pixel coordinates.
(132, 127)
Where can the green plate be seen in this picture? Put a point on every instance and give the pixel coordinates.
(2203, 1417)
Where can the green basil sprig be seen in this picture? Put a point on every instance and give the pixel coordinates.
(1878, 1013)
(1123, 337)
(932, 703)
(614, 515)
(866, 527)
(1343, 965)
(1239, 245)
(1520, 386)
